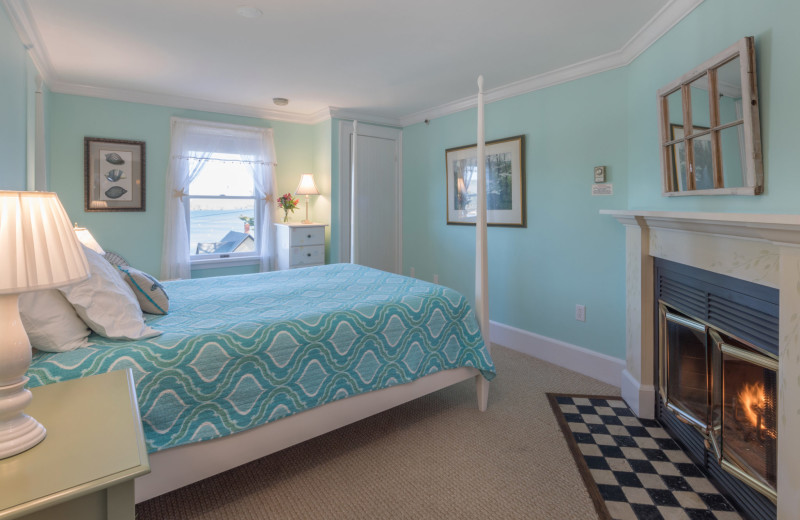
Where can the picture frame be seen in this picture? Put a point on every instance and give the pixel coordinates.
(114, 174)
(704, 179)
(505, 183)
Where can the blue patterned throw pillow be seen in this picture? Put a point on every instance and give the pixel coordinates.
(152, 297)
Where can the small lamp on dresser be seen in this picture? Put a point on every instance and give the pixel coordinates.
(38, 250)
(307, 187)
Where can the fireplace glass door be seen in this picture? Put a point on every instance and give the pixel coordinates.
(685, 359)
(749, 419)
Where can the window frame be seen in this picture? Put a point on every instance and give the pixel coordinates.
(216, 260)
(752, 167)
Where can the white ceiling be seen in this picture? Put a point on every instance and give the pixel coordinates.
(394, 60)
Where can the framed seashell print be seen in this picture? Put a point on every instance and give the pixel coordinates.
(114, 174)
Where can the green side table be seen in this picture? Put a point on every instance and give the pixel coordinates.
(86, 466)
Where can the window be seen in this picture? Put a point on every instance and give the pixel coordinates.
(220, 185)
(221, 210)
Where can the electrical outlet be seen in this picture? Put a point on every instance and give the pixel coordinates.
(412, 273)
(580, 312)
(436, 278)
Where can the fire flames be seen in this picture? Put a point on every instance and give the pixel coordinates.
(752, 401)
(751, 398)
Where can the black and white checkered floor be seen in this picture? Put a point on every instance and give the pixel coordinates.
(639, 471)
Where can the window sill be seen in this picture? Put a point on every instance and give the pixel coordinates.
(215, 263)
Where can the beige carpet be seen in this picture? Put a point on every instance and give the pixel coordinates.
(435, 457)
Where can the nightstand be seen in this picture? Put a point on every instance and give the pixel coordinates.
(300, 245)
(85, 466)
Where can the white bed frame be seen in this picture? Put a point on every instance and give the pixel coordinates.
(176, 467)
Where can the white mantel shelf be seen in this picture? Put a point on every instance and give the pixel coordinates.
(774, 228)
(759, 248)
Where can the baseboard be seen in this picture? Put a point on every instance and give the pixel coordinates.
(599, 366)
(641, 398)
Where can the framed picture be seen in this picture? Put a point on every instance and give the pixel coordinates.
(704, 169)
(505, 183)
(114, 172)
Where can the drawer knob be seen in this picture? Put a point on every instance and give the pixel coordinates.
(308, 254)
(309, 236)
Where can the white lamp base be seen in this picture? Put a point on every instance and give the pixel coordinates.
(18, 432)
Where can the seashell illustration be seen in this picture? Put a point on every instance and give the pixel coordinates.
(115, 175)
(115, 192)
(114, 158)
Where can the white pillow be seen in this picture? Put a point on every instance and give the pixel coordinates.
(51, 322)
(106, 303)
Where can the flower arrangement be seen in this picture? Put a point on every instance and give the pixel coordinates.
(287, 203)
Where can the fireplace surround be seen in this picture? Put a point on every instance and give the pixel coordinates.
(764, 249)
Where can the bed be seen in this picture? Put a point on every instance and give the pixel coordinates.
(250, 364)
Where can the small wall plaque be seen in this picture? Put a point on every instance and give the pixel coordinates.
(602, 189)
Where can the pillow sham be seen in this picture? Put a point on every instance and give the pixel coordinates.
(51, 322)
(106, 303)
(152, 297)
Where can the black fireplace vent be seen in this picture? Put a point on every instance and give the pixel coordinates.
(741, 308)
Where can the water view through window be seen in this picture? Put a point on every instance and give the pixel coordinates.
(221, 207)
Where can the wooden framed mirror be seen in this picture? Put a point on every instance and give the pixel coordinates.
(709, 127)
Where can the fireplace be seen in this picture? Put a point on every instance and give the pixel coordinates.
(717, 369)
(759, 248)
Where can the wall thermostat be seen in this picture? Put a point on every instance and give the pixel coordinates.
(599, 174)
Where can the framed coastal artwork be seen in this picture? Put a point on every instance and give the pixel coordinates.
(505, 183)
(114, 175)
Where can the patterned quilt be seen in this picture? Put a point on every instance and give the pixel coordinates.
(240, 351)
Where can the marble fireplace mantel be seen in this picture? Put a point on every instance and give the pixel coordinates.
(759, 248)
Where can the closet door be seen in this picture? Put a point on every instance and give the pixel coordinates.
(371, 222)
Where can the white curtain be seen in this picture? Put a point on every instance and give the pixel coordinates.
(193, 143)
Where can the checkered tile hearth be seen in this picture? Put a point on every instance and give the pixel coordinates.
(632, 467)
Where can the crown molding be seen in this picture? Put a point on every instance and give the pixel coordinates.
(204, 105)
(363, 117)
(664, 20)
(29, 35)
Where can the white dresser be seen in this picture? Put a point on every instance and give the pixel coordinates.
(300, 245)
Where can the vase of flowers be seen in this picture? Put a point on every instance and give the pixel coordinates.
(287, 203)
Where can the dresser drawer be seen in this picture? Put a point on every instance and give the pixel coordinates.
(307, 236)
(307, 255)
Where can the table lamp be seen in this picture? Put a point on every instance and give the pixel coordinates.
(38, 250)
(86, 238)
(307, 187)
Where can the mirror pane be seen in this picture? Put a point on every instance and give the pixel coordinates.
(732, 144)
(703, 169)
(701, 113)
(729, 86)
(677, 153)
(675, 109)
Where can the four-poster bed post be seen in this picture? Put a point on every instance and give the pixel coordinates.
(481, 255)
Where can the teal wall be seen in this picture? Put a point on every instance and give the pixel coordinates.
(13, 107)
(138, 235)
(568, 254)
(710, 28)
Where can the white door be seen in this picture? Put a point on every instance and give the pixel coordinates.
(371, 224)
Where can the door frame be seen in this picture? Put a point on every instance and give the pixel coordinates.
(345, 173)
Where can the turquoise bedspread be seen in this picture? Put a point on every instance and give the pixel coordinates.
(240, 351)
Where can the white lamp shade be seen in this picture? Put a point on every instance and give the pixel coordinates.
(307, 186)
(38, 248)
(88, 240)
